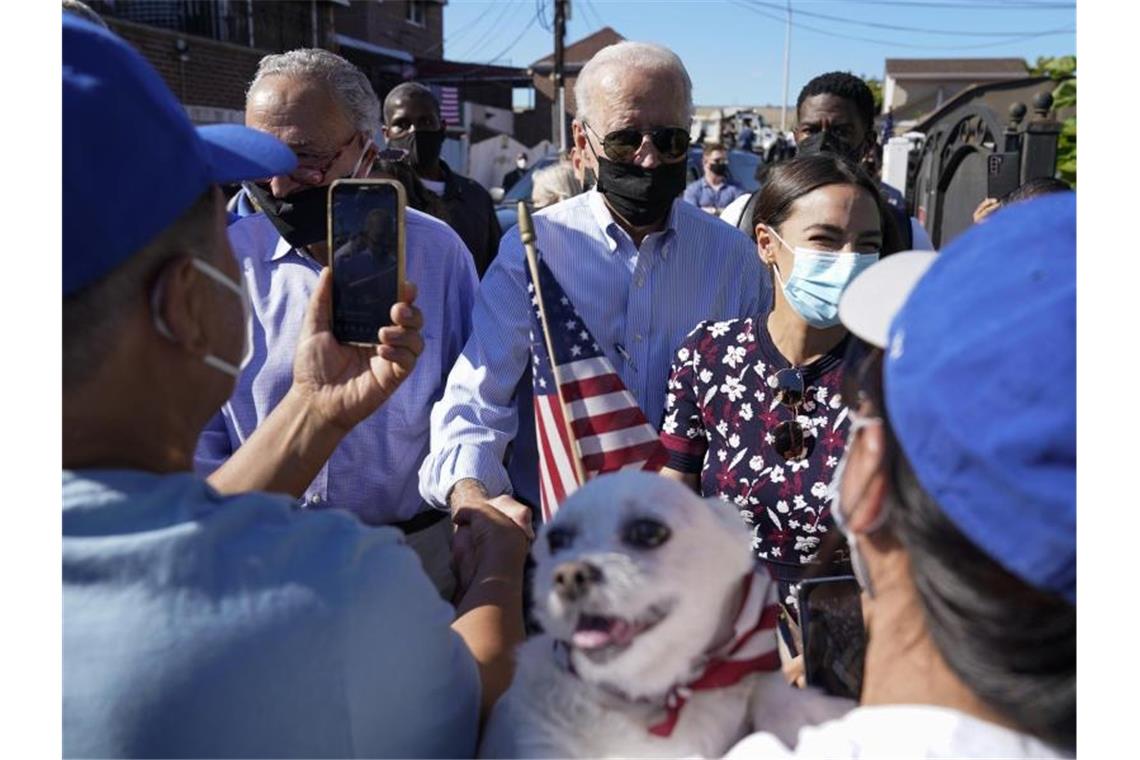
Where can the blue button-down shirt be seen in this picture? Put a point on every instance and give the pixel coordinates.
(701, 193)
(200, 625)
(373, 470)
(642, 299)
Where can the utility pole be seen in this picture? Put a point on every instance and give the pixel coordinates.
(787, 57)
(561, 13)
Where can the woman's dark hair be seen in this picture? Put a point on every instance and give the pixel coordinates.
(1012, 645)
(790, 180)
(419, 197)
(1035, 187)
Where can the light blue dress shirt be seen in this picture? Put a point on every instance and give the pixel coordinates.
(638, 303)
(197, 625)
(373, 472)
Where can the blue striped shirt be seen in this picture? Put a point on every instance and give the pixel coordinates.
(373, 470)
(638, 303)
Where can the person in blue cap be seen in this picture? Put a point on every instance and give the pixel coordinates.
(958, 497)
(203, 625)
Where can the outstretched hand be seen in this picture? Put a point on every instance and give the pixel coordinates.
(345, 383)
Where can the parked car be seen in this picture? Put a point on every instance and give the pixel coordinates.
(507, 208)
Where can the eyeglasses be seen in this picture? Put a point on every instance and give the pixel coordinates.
(621, 145)
(790, 435)
(310, 164)
(395, 155)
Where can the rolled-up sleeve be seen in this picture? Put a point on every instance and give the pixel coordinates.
(477, 418)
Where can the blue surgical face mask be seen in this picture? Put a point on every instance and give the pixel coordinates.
(818, 279)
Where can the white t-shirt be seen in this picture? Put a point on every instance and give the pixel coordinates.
(435, 187)
(900, 731)
(732, 211)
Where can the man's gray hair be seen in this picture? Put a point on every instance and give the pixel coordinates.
(590, 92)
(84, 12)
(348, 84)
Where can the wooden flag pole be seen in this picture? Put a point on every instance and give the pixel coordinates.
(526, 234)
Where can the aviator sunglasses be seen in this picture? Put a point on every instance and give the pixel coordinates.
(621, 145)
(791, 438)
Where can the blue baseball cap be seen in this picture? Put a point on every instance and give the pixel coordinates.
(132, 161)
(980, 380)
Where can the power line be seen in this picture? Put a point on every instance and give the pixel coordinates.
(540, 9)
(504, 10)
(593, 12)
(983, 5)
(894, 27)
(454, 37)
(516, 40)
(896, 43)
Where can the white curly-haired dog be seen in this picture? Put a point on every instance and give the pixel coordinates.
(659, 637)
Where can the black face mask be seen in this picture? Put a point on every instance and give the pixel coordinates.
(590, 179)
(640, 196)
(423, 147)
(301, 218)
(719, 169)
(826, 142)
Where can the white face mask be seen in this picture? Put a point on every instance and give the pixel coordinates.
(861, 573)
(238, 289)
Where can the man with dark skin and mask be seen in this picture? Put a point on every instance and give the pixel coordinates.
(412, 121)
(640, 266)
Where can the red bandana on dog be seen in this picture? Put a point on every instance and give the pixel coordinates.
(751, 650)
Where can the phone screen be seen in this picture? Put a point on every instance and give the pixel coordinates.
(835, 640)
(366, 244)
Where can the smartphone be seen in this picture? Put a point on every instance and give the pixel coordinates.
(366, 253)
(834, 638)
(1003, 174)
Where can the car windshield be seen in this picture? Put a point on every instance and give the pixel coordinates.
(520, 191)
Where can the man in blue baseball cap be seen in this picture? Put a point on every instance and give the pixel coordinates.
(957, 496)
(197, 624)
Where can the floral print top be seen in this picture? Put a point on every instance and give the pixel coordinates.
(720, 414)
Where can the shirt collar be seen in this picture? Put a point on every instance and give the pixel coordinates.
(282, 249)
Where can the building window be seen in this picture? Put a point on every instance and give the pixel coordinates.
(522, 99)
(417, 12)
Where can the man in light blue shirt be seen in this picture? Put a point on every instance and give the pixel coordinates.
(715, 190)
(324, 107)
(197, 624)
(641, 266)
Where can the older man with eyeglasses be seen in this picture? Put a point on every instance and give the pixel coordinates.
(324, 108)
(641, 266)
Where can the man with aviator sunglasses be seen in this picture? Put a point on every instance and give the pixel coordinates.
(640, 265)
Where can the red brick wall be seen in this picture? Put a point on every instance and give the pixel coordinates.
(386, 24)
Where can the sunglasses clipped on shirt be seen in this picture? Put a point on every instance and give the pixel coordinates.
(621, 145)
(790, 435)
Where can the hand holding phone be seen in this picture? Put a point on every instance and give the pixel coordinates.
(343, 384)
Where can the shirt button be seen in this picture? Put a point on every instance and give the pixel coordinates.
(315, 500)
(638, 337)
(640, 281)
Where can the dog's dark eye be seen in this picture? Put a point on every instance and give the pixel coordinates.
(559, 539)
(644, 533)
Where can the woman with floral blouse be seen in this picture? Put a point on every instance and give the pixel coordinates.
(754, 412)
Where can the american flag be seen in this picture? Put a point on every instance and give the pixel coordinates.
(607, 430)
(449, 105)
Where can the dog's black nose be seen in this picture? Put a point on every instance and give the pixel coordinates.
(573, 579)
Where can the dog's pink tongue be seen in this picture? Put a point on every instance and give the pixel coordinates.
(590, 639)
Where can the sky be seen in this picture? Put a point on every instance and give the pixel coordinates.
(734, 49)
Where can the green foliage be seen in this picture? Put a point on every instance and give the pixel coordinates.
(1064, 96)
(876, 86)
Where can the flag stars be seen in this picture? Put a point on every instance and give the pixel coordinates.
(571, 324)
(575, 350)
(583, 336)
